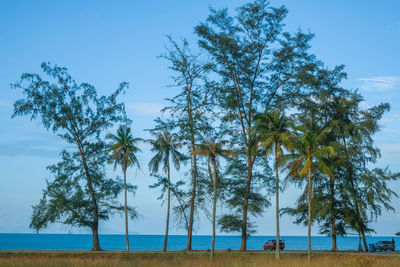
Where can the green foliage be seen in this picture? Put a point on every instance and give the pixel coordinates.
(81, 194)
(257, 66)
(351, 195)
(233, 223)
(123, 148)
(67, 199)
(166, 146)
(73, 111)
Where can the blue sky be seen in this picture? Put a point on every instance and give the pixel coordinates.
(107, 42)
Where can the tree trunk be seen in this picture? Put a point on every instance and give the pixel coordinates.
(126, 211)
(333, 216)
(277, 247)
(95, 227)
(214, 208)
(243, 245)
(364, 241)
(354, 193)
(168, 209)
(192, 203)
(194, 174)
(334, 244)
(309, 215)
(95, 234)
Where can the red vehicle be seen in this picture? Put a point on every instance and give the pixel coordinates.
(271, 244)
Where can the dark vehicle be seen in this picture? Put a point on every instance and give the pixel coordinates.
(271, 245)
(383, 246)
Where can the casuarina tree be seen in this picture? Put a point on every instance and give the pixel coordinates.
(257, 67)
(188, 111)
(81, 194)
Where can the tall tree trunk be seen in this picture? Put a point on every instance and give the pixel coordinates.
(168, 208)
(309, 215)
(95, 226)
(192, 203)
(334, 243)
(354, 194)
(243, 245)
(214, 208)
(95, 235)
(364, 240)
(277, 247)
(333, 216)
(194, 173)
(126, 211)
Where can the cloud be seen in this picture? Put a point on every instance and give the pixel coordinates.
(391, 151)
(385, 122)
(380, 83)
(30, 147)
(151, 109)
(364, 105)
(5, 104)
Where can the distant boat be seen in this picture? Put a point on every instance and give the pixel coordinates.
(397, 233)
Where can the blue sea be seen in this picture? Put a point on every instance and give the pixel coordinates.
(175, 242)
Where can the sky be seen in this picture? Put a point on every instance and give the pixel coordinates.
(108, 42)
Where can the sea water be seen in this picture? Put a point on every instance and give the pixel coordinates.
(175, 242)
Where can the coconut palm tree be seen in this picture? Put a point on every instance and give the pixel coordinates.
(273, 130)
(310, 154)
(212, 150)
(123, 150)
(165, 145)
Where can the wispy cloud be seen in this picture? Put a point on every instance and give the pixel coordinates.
(5, 104)
(380, 83)
(391, 151)
(152, 109)
(364, 105)
(32, 147)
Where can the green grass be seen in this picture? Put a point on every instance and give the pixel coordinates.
(183, 259)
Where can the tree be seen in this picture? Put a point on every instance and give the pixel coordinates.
(188, 111)
(212, 150)
(365, 191)
(321, 103)
(309, 156)
(76, 114)
(342, 200)
(166, 146)
(124, 148)
(257, 67)
(273, 129)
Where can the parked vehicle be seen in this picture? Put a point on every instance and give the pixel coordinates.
(271, 244)
(382, 246)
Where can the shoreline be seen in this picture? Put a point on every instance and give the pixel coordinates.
(75, 252)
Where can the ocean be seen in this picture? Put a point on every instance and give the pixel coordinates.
(175, 242)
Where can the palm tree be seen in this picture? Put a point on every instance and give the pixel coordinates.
(310, 155)
(212, 150)
(166, 147)
(273, 129)
(124, 149)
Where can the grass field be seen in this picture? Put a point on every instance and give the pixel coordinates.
(182, 259)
